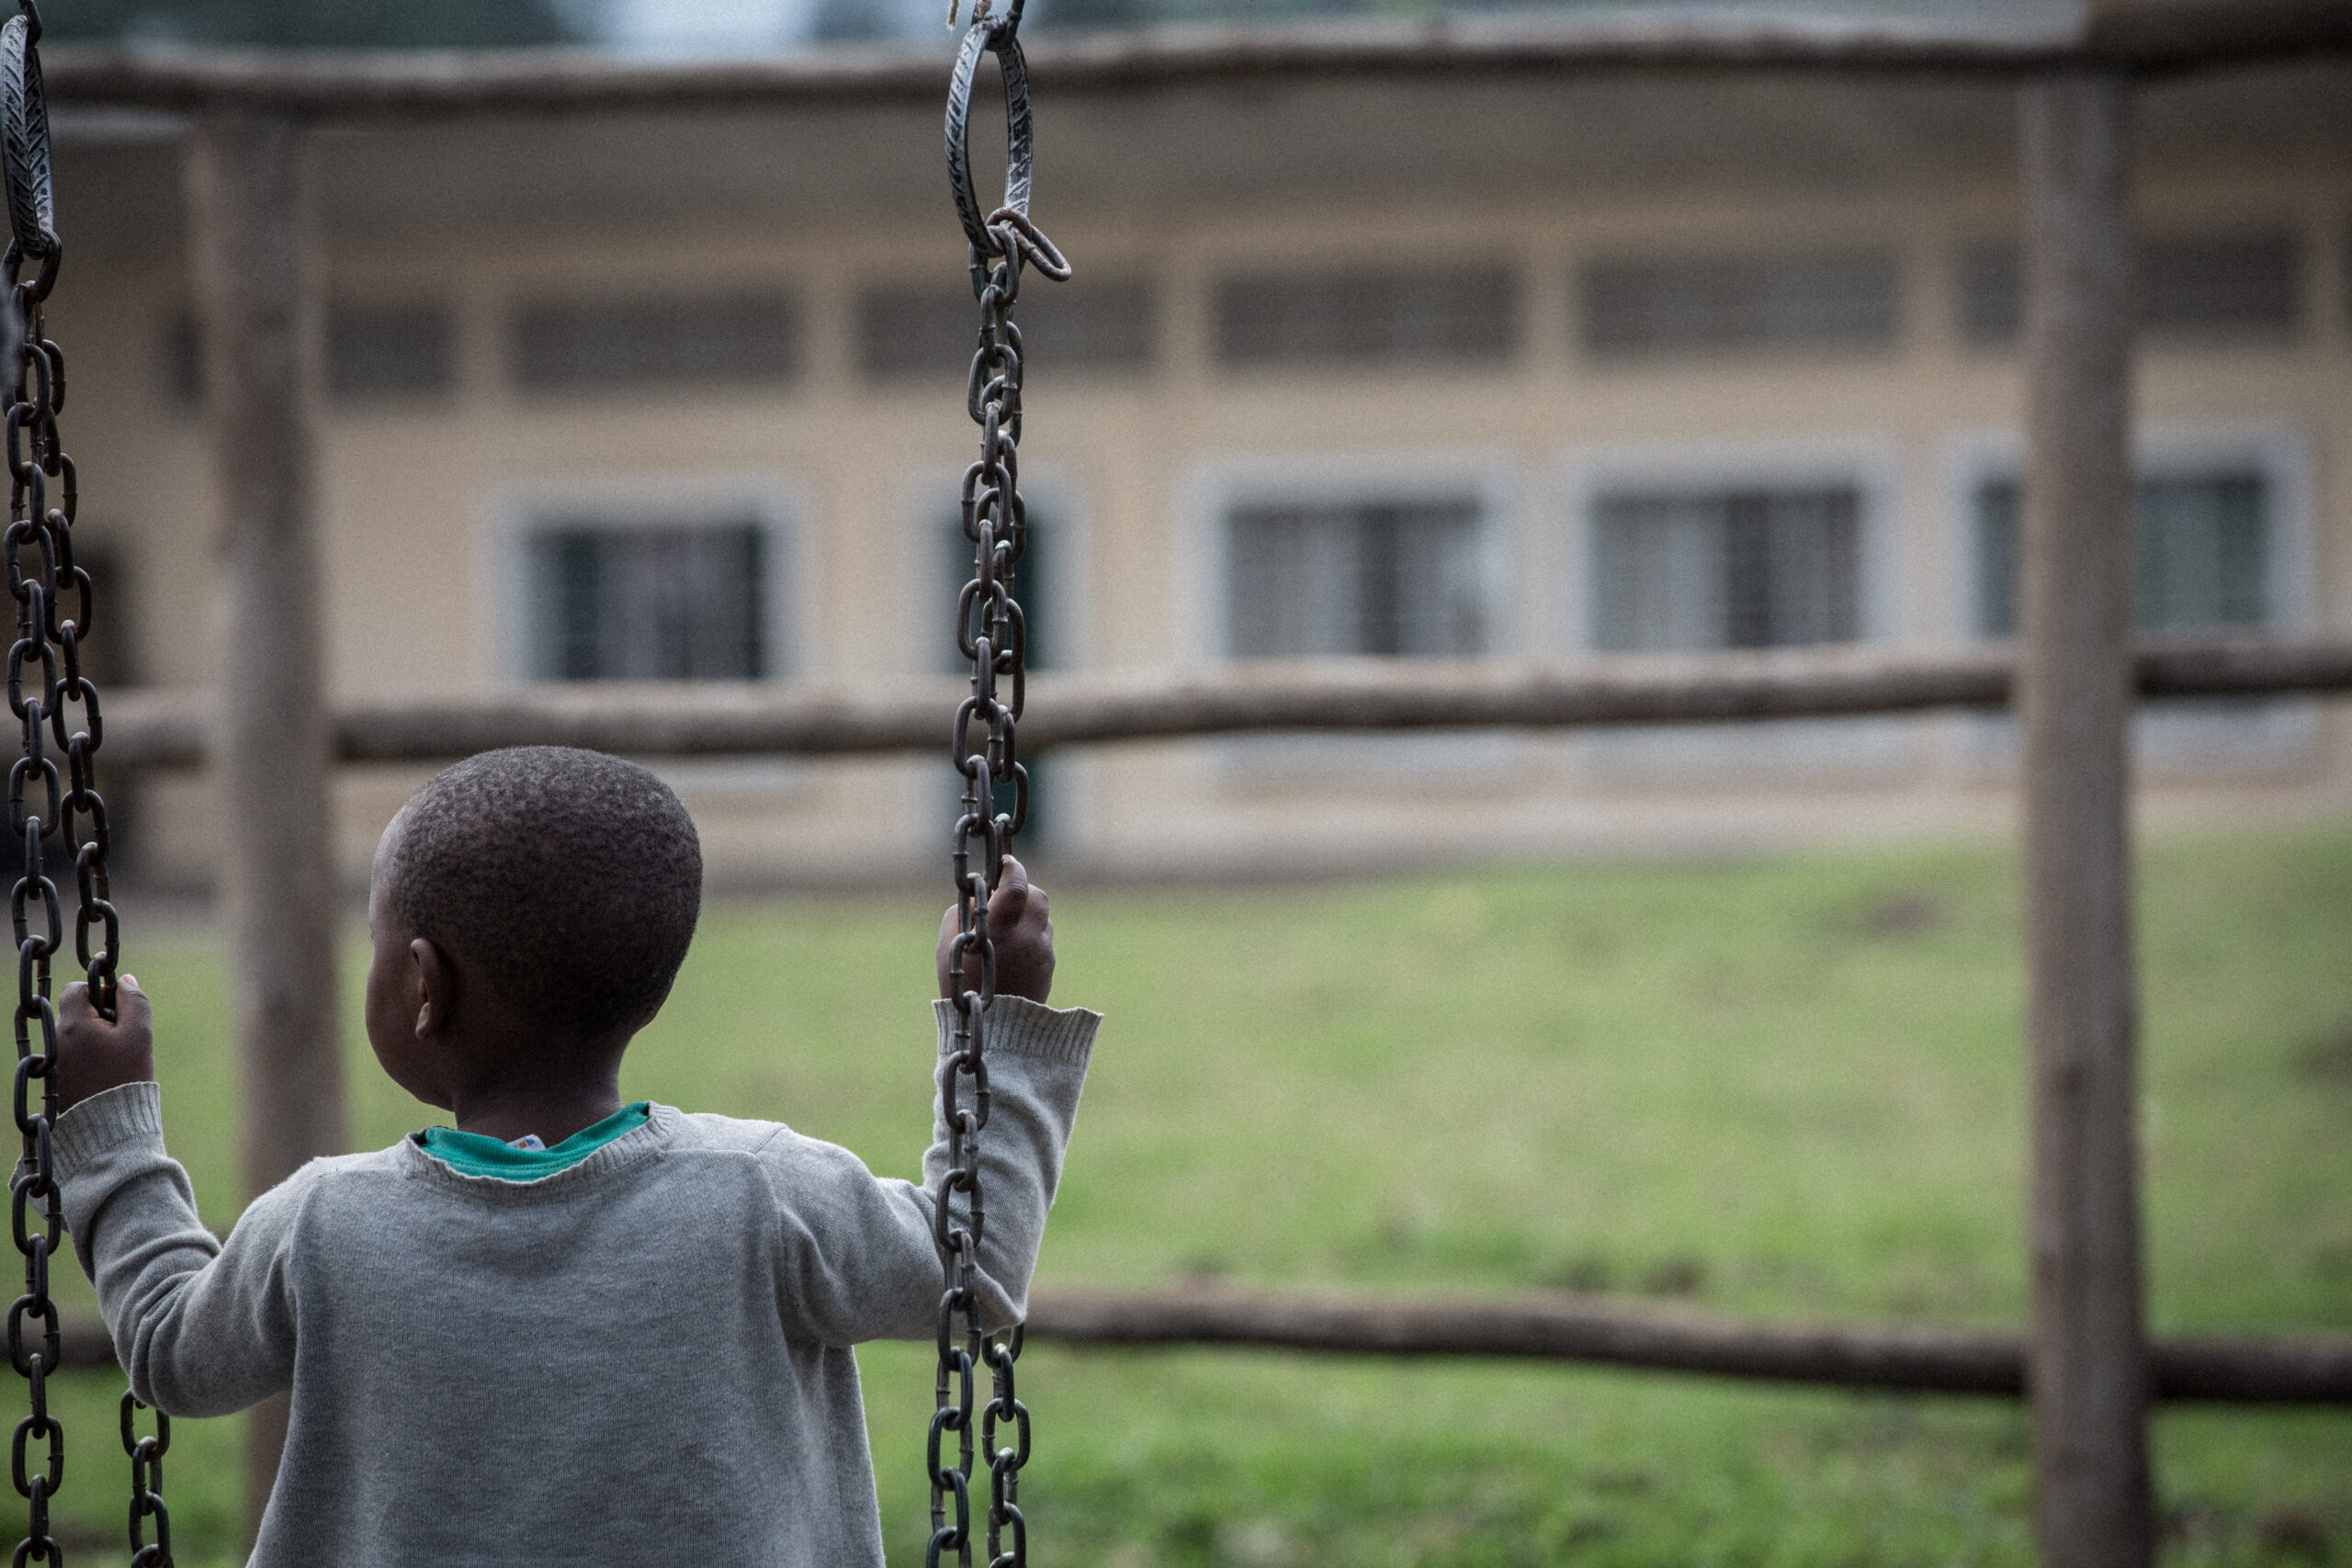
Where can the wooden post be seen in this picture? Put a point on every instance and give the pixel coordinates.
(258, 320)
(2088, 1358)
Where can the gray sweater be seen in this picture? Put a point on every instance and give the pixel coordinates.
(643, 1358)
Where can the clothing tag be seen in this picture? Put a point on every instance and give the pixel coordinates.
(529, 1143)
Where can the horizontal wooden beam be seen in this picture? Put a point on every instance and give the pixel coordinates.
(2306, 1370)
(2151, 35)
(2300, 1371)
(157, 728)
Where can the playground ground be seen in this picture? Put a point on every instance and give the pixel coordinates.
(1788, 1085)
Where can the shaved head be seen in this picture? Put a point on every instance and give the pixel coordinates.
(571, 878)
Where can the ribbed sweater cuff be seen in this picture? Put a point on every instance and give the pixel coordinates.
(131, 1112)
(1022, 1027)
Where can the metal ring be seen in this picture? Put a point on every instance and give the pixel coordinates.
(995, 37)
(24, 141)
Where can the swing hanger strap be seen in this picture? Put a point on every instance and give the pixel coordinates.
(1007, 229)
(24, 137)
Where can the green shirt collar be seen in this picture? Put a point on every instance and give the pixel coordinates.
(477, 1153)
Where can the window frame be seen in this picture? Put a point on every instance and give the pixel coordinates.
(2251, 736)
(343, 311)
(1223, 284)
(1590, 276)
(2275, 450)
(1869, 465)
(955, 353)
(1791, 753)
(504, 635)
(1200, 611)
(1203, 608)
(1987, 270)
(583, 296)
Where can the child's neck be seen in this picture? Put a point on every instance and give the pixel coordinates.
(552, 1111)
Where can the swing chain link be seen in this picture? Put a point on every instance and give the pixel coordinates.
(147, 1485)
(46, 582)
(992, 633)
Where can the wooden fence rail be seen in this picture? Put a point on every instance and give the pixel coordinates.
(155, 728)
(2299, 1370)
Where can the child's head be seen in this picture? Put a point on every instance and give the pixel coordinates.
(532, 904)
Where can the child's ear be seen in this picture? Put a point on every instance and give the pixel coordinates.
(436, 987)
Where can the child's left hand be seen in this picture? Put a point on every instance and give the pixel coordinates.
(94, 1055)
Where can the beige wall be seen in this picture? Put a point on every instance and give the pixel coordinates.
(414, 497)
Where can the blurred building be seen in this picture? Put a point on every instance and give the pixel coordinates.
(1454, 365)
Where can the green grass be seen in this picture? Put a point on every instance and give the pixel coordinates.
(1787, 1087)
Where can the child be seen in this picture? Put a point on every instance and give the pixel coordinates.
(572, 1329)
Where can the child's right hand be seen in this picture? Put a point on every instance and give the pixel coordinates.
(1020, 932)
(95, 1056)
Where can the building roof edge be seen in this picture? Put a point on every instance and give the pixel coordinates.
(2164, 36)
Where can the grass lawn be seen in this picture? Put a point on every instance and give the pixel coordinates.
(1786, 1086)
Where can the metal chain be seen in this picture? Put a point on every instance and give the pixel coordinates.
(45, 581)
(989, 631)
(147, 1485)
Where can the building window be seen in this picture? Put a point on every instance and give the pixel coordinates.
(387, 351)
(649, 600)
(619, 344)
(1397, 579)
(1714, 568)
(1089, 325)
(1462, 315)
(1992, 298)
(2222, 286)
(918, 331)
(1835, 302)
(2203, 546)
(2219, 286)
(375, 351)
